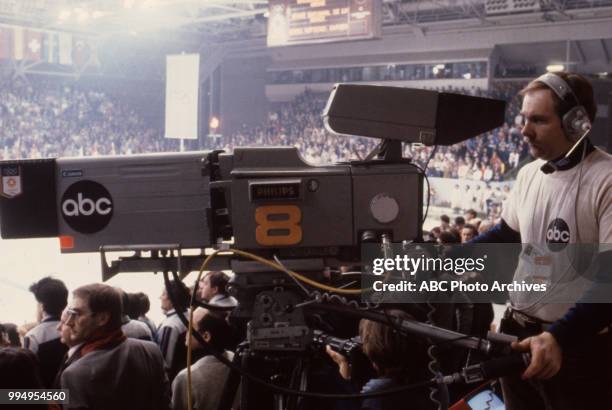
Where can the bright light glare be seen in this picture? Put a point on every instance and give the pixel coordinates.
(553, 68)
(64, 15)
(214, 123)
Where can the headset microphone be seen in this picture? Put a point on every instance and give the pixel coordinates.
(552, 166)
(575, 120)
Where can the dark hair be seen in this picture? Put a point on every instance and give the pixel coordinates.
(459, 220)
(19, 369)
(12, 333)
(179, 294)
(143, 303)
(445, 218)
(132, 308)
(52, 294)
(102, 299)
(449, 237)
(220, 331)
(471, 211)
(472, 228)
(582, 88)
(218, 280)
(394, 355)
(125, 301)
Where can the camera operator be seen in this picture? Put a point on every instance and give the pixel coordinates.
(568, 189)
(397, 359)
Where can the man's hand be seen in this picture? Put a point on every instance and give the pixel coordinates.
(341, 361)
(545, 355)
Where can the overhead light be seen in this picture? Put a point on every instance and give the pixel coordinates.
(214, 123)
(553, 68)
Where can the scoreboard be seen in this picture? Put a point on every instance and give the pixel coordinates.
(292, 22)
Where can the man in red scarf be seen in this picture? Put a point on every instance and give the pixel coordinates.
(109, 370)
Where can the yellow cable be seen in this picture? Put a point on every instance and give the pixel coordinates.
(266, 262)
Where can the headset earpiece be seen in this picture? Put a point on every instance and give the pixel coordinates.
(575, 121)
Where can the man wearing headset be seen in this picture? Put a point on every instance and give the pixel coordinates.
(561, 199)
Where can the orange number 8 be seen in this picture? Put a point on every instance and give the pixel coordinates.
(278, 225)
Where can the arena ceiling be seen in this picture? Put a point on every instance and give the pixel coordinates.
(233, 19)
(204, 24)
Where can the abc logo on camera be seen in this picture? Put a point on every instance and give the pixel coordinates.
(87, 206)
(557, 235)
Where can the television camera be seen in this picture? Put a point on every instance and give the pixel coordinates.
(264, 200)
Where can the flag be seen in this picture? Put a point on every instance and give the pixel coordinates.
(6, 43)
(65, 48)
(50, 50)
(18, 43)
(33, 45)
(80, 51)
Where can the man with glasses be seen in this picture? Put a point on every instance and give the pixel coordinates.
(109, 370)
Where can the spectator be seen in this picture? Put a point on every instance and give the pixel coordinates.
(459, 223)
(19, 369)
(12, 334)
(212, 289)
(449, 237)
(208, 375)
(109, 370)
(141, 301)
(469, 215)
(130, 327)
(44, 339)
(444, 222)
(171, 332)
(468, 232)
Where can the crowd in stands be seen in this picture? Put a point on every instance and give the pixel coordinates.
(44, 119)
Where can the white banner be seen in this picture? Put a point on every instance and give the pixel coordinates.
(182, 85)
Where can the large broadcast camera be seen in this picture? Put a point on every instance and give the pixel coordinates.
(266, 201)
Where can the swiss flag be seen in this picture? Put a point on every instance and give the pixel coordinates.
(33, 45)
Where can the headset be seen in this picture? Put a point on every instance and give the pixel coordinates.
(575, 120)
